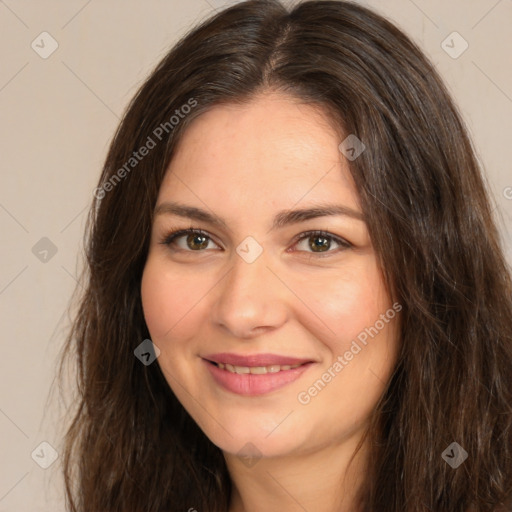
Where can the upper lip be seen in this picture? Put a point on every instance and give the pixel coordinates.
(255, 359)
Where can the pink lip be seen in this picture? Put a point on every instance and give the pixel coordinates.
(258, 384)
(255, 359)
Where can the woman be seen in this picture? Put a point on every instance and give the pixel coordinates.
(296, 295)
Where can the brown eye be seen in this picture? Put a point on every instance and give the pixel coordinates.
(321, 242)
(194, 240)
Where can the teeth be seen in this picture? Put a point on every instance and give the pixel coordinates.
(256, 370)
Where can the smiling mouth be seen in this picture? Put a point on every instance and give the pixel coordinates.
(255, 370)
(255, 380)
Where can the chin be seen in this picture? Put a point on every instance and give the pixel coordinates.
(250, 441)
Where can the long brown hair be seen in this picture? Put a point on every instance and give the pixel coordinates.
(131, 445)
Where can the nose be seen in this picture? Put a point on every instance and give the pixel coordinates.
(250, 300)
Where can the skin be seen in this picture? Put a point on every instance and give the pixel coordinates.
(244, 164)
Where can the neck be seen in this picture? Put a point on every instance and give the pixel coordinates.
(320, 481)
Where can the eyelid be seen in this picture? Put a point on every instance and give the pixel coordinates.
(175, 234)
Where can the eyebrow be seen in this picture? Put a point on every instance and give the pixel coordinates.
(281, 219)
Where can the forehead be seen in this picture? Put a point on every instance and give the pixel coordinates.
(273, 148)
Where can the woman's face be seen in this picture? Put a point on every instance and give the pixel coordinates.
(256, 293)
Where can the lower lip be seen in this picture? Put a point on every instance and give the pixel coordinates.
(249, 384)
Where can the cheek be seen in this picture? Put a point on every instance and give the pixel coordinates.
(166, 298)
(355, 372)
(349, 302)
(156, 300)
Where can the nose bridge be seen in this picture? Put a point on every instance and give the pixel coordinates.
(250, 297)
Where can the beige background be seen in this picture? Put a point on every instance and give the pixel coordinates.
(57, 117)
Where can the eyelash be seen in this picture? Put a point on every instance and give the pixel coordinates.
(170, 238)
